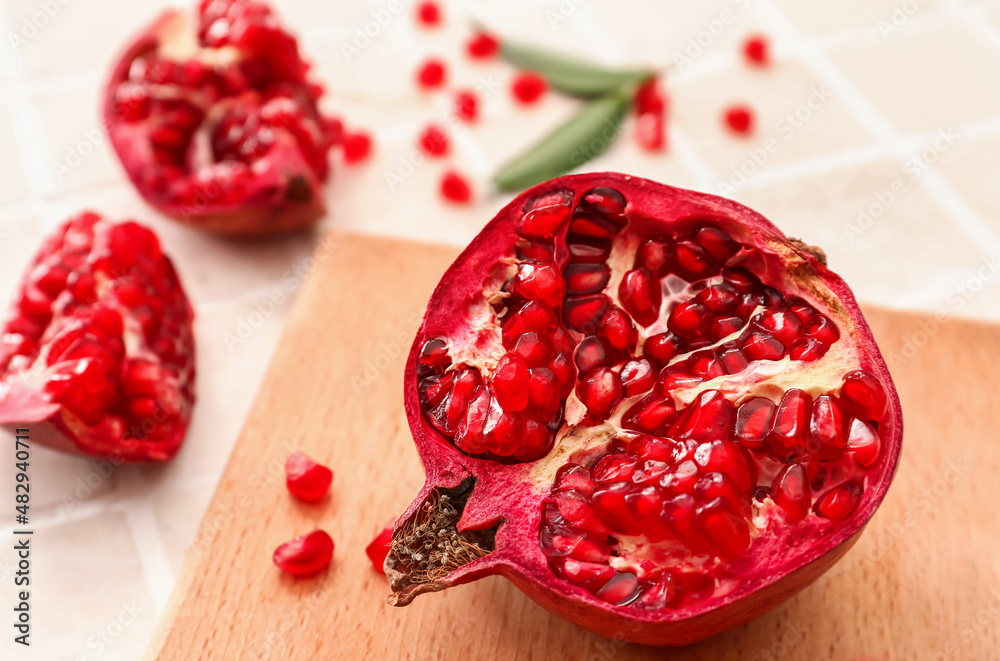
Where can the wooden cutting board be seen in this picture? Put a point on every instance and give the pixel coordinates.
(923, 582)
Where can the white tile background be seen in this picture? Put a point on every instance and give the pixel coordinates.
(906, 96)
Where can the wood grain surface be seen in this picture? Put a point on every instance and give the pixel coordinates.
(923, 582)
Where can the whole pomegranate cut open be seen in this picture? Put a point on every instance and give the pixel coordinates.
(647, 407)
(215, 120)
(97, 351)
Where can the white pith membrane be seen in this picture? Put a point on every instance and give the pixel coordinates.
(276, 172)
(668, 573)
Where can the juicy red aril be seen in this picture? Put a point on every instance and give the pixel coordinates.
(528, 87)
(791, 491)
(466, 106)
(357, 147)
(739, 119)
(863, 396)
(433, 141)
(305, 479)
(631, 347)
(428, 13)
(305, 555)
(755, 50)
(431, 74)
(215, 119)
(379, 547)
(482, 46)
(455, 188)
(99, 343)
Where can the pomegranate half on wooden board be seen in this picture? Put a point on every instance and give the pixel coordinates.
(647, 407)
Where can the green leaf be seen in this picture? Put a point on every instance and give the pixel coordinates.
(584, 136)
(570, 76)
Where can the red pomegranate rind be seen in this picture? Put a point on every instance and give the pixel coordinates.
(683, 485)
(215, 120)
(98, 346)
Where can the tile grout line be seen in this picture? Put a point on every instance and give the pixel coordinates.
(942, 193)
(141, 518)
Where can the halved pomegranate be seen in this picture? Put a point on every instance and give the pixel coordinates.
(215, 120)
(97, 352)
(647, 407)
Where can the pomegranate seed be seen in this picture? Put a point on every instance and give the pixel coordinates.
(743, 280)
(706, 365)
(541, 282)
(662, 347)
(431, 74)
(707, 418)
(659, 595)
(606, 201)
(305, 555)
(739, 119)
(863, 396)
(466, 106)
(433, 358)
(690, 319)
(428, 13)
(718, 244)
(783, 325)
(790, 428)
(755, 50)
(544, 393)
(618, 332)
(510, 383)
(807, 349)
(379, 547)
(455, 188)
(676, 377)
(528, 87)
(840, 502)
(584, 313)
(433, 141)
(638, 376)
(502, 430)
(790, 491)
(574, 476)
(863, 443)
(726, 533)
(535, 349)
(543, 223)
(828, 429)
(803, 310)
(590, 354)
(599, 390)
(357, 147)
(620, 590)
(589, 575)
(651, 414)
(694, 261)
(753, 422)
(732, 359)
(720, 299)
(305, 479)
(641, 296)
(469, 436)
(536, 441)
(821, 328)
(656, 256)
(482, 46)
(534, 316)
(586, 278)
(590, 228)
(760, 345)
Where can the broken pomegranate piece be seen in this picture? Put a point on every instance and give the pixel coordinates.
(305, 479)
(97, 351)
(647, 407)
(305, 555)
(215, 120)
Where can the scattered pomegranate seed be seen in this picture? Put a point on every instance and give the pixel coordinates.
(756, 50)
(305, 479)
(379, 548)
(528, 87)
(650, 109)
(466, 106)
(305, 555)
(428, 13)
(357, 147)
(482, 46)
(740, 119)
(434, 141)
(431, 74)
(455, 188)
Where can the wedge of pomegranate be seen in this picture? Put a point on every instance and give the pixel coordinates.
(647, 407)
(215, 120)
(97, 351)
